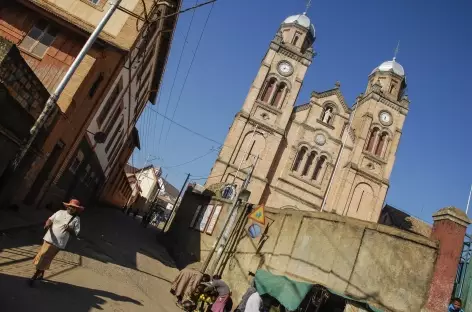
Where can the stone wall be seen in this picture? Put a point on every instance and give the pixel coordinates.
(385, 266)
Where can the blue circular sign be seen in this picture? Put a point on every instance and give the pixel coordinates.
(254, 230)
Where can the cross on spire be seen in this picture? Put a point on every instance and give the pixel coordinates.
(308, 5)
(396, 50)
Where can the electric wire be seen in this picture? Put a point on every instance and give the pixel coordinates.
(190, 130)
(219, 175)
(189, 69)
(176, 75)
(192, 160)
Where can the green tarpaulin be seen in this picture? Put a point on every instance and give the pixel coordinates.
(367, 305)
(288, 292)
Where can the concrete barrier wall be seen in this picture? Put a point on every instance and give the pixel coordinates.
(188, 245)
(383, 265)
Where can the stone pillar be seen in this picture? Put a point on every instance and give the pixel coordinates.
(449, 228)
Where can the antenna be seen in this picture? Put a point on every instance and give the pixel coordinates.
(308, 5)
(396, 50)
(468, 201)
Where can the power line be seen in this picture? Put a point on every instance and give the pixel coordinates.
(189, 130)
(143, 128)
(150, 134)
(219, 175)
(184, 10)
(189, 69)
(194, 159)
(176, 74)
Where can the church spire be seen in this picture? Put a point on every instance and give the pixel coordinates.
(396, 51)
(308, 5)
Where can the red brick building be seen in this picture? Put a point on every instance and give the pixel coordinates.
(49, 36)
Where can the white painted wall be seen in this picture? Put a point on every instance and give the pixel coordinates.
(134, 90)
(147, 180)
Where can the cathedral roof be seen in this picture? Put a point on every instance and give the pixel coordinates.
(404, 221)
(334, 91)
(302, 20)
(392, 66)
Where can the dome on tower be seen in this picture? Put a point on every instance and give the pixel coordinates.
(302, 20)
(390, 66)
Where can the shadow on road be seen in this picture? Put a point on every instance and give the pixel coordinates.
(53, 296)
(110, 236)
(107, 235)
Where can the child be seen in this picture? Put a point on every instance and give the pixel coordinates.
(455, 306)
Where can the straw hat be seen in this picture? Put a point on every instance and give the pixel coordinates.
(74, 203)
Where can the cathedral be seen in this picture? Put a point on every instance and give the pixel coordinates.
(323, 155)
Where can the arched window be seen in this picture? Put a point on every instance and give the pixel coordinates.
(381, 145)
(269, 88)
(372, 138)
(296, 38)
(328, 114)
(298, 160)
(279, 97)
(319, 166)
(308, 163)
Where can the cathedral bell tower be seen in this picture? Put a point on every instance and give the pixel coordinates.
(259, 128)
(362, 184)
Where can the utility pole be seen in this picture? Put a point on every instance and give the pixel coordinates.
(49, 107)
(222, 239)
(176, 201)
(225, 231)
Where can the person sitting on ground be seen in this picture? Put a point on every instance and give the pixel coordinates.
(455, 306)
(205, 299)
(254, 303)
(58, 227)
(242, 305)
(224, 294)
(186, 282)
(191, 303)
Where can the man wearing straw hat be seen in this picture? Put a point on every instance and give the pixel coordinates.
(58, 228)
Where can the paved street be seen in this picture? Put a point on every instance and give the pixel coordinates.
(115, 266)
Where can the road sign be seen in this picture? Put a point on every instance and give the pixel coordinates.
(254, 230)
(258, 215)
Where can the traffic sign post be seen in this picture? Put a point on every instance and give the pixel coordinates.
(258, 215)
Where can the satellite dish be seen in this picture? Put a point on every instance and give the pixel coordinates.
(100, 137)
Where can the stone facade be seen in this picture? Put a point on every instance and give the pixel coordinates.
(49, 35)
(23, 97)
(297, 148)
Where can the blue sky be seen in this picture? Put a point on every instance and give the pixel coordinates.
(432, 170)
